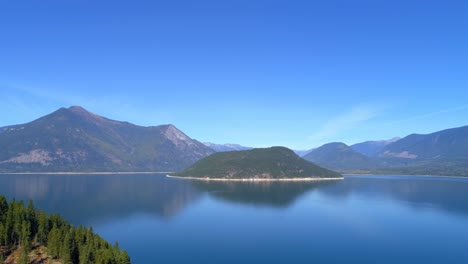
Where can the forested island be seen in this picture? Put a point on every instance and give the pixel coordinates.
(28, 235)
(275, 163)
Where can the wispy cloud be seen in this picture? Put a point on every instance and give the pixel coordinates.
(337, 125)
(60, 96)
(428, 115)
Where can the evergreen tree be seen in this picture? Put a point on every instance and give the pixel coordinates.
(2, 234)
(25, 249)
(123, 258)
(7, 226)
(74, 253)
(84, 255)
(31, 218)
(80, 236)
(25, 241)
(53, 243)
(91, 246)
(25, 230)
(66, 249)
(17, 217)
(104, 256)
(43, 228)
(3, 207)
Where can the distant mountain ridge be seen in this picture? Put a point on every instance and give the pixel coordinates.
(302, 153)
(225, 147)
(74, 139)
(440, 153)
(371, 148)
(237, 147)
(448, 143)
(338, 156)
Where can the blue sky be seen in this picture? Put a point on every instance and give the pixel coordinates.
(257, 73)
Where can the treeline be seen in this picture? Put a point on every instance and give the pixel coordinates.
(25, 228)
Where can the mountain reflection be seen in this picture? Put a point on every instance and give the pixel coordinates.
(91, 199)
(449, 194)
(265, 193)
(98, 199)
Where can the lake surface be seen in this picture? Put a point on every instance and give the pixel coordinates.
(361, 219)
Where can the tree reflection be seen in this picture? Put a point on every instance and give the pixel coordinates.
(263, 193)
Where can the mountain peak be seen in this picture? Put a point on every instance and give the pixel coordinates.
(77, 108)
(170, 128)
(176, 136)
(80, 111)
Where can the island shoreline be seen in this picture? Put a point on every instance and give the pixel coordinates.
(253, 179)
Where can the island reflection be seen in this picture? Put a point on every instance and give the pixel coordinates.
(261, 193)
(98, 199)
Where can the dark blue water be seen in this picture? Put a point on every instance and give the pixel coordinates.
(362, 219)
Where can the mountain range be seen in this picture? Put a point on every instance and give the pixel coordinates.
(237, 147)
(338, 156)
(76, 140)
(440, 153)
(370, 148)
(449, 143)
(73, 139)
(225, 147)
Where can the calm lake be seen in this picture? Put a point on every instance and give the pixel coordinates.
(361, 219)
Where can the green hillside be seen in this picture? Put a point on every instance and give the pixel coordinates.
(269, 163)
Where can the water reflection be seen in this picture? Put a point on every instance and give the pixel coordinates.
(449, 194)
(93, 199)
(420, 220)
(275, 194)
